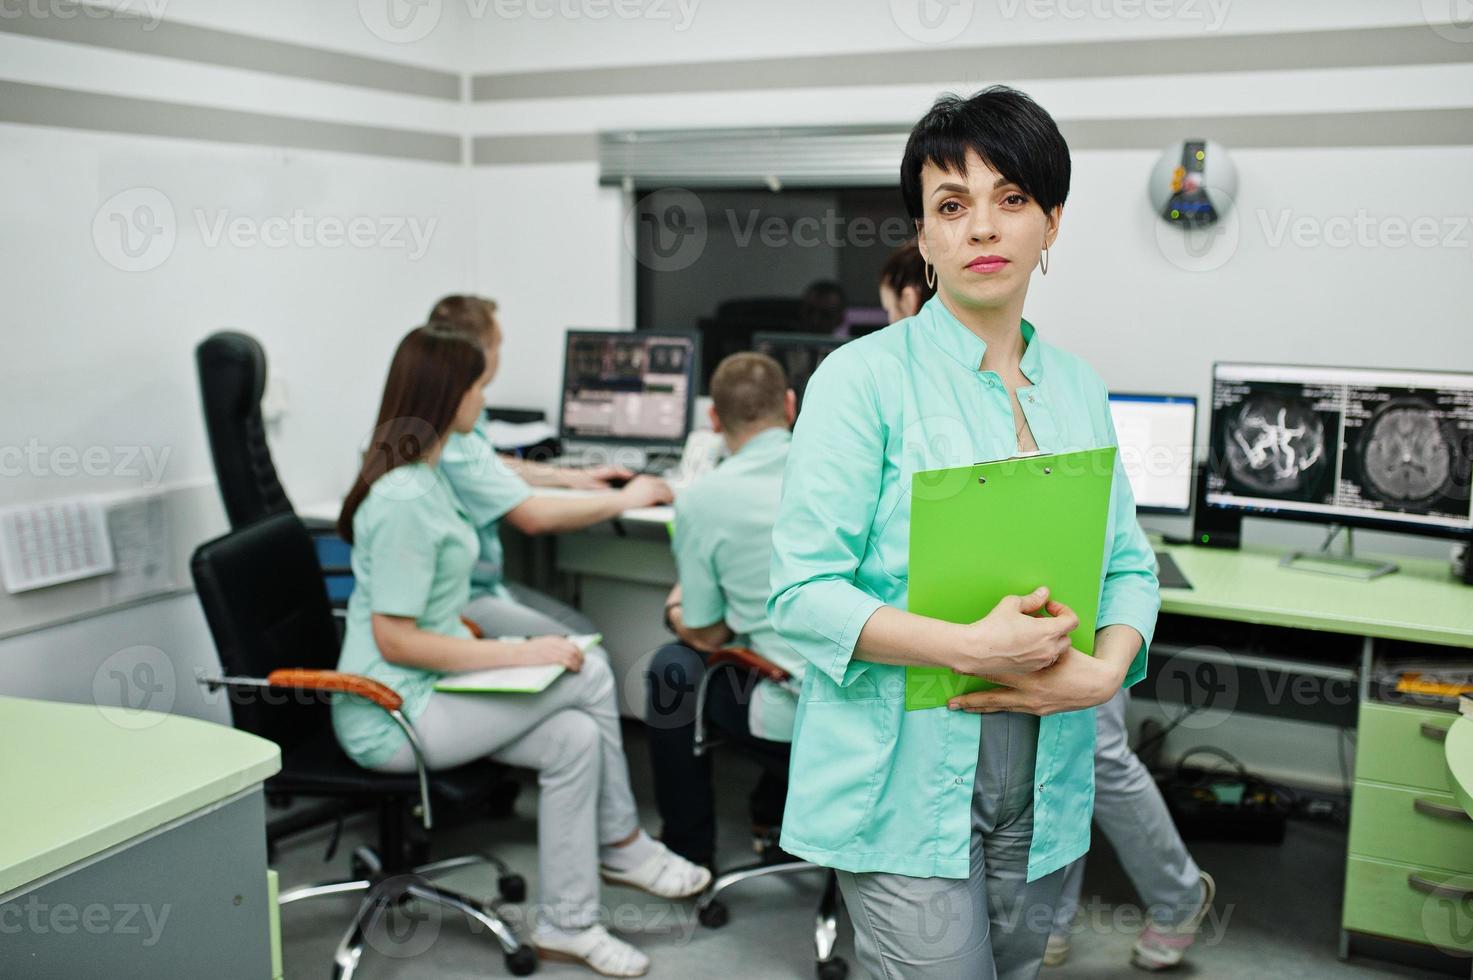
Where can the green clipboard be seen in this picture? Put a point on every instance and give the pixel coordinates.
(979, 533)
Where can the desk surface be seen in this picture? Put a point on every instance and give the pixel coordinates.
(1459, 750)
(1422, 602)
(80, 779)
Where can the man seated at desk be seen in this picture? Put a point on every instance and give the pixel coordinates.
(723, 545)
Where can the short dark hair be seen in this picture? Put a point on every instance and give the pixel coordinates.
(905, 267)
(1007, 129)
(748, 388)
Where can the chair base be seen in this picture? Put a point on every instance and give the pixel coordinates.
(713, 914)
(383, 890)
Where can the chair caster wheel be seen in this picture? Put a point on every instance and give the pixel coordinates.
(834, 969)
(522, 962)
(713, 916)
(512, 888)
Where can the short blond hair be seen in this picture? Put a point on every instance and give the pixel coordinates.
(474, 316)
(747, 389)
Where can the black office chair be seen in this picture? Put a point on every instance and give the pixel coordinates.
(232, 379)
(711, 912)
(268, 611)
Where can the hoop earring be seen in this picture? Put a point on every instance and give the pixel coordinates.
(930, 274)
(1043, 262)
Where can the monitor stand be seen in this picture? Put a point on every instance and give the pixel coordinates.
(1344, 564)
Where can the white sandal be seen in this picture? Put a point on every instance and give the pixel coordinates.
(594, 948)
(664, 875)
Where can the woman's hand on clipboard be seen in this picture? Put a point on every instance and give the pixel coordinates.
(1076, 681)
(1013, 638)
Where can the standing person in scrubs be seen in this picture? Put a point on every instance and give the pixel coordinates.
(950, 828)
(491, 489)
(413, 548)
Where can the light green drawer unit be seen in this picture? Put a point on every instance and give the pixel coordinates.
(1401, 745)
(1411, 826)
(1402, 901)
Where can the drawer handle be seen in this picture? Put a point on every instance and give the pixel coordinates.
(1442, 811)
(1435, 732)
(1439, 889)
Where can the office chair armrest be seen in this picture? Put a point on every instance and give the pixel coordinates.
(742, 658)
(749, 659)
(332, 680)
(303, 679)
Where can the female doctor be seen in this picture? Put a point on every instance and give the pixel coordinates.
(950, 827)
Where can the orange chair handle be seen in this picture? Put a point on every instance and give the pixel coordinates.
(331, 680)
(751, 660)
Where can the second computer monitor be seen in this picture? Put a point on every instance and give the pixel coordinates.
(1157, 436)
(632, 387)
(1371, 447)
(799, 353)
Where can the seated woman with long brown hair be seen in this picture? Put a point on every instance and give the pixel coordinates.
(413, 548)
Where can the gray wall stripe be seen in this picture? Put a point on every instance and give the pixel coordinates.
(1370, 47)
(1401, 127)
(39, 105)
(170, 39)
(540, 148)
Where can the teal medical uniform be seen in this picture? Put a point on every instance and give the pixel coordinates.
(487, 489)
(413, 548)
(723, 547)
(872, 786)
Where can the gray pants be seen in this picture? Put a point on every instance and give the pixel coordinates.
(990, 926)
(527, 613)
(570, 734)
(1131, 812)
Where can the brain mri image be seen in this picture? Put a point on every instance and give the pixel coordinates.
(1405, 457)
(1278, 445)
(1410, 455)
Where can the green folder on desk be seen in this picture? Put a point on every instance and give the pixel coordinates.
(979, 533)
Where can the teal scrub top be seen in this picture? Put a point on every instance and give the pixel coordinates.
(487, 489)
(723, 550)
(872, 786)
(413, 547)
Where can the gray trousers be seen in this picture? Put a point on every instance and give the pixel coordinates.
(527, 613)
(990, 926)
(1131, 812)
(570, 734)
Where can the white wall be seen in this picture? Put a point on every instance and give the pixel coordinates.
(99, 346)
(99, 356)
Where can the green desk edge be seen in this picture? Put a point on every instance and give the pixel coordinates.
(82, 779)
(1459, 751)
(1421, 603)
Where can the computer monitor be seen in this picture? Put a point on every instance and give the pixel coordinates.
(800, 354)
(1386, 449)
(1158, 448)
(628, 387)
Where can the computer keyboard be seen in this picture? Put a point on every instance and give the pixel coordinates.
(1169, 573)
